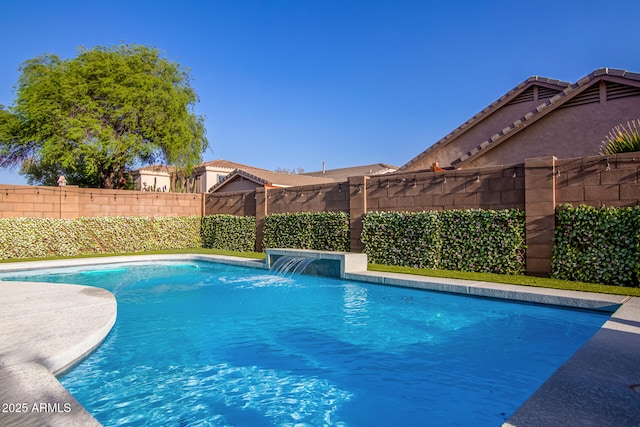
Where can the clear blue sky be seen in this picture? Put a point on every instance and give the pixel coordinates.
(293, 83)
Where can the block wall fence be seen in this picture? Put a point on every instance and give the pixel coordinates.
(71, 202)
(536, 186)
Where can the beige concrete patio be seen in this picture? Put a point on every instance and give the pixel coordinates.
(44, 330)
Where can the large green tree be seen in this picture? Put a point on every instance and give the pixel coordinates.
(96, 115)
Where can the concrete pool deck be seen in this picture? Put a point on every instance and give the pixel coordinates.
(46, 328)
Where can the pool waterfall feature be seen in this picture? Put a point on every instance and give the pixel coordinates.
(290, 264)
(315, 263)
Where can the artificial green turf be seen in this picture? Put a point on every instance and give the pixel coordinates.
(541, 282)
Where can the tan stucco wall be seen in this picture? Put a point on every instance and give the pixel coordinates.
(211, 177)
(148, 178)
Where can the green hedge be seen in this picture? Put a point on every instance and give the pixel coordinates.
(597, 245)
(229, 232)
(464, 240)
(42, 237)
(305, 230)
(402, 238)
(483, 241)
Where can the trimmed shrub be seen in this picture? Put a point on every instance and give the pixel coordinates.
(31, 237)
(328, 231)
(229, 232)
(402, 238)
(483, 241)
(597, 245)
(465, 240)
(41, 237)
(177, 232)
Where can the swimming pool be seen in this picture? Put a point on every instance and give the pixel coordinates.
(212, 344)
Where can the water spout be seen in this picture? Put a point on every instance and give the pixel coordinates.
(315, 262)
(291, 264)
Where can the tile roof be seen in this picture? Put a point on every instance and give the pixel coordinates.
(219, 163)
(276, 179)
(156, 168)
(545, 108)
(279, 179)
(342, 174)
(500, 102)
(226, 164)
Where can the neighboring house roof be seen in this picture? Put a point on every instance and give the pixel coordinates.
(342, 174)
(570, 96)
(226, 164)
(535, 87)
(263, 177)
(155, 169)
(584, 91)
(218, 164)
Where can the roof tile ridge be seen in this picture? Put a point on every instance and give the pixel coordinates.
(234, 172)
(548, 80)
(631, 76)
(487, 109)
(505, 131)
(605, 71)
(533, 113)
(248, 173)
(616, 72)
(235, 165)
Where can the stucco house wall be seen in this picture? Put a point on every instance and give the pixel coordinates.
(241, 185)
(470, 135)
(147, 180)
(577, 131)
(539, 118)
(211, 178)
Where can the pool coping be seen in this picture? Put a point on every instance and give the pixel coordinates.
(45, 330)
(598, 385)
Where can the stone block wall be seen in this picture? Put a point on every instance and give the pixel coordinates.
(240, 203)
(72, 202)
(599, 180)
(332, 197)
(26, 201)
(484, 188)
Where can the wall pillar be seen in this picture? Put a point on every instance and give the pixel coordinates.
(261, 212)
(357, 209)
(540, 210)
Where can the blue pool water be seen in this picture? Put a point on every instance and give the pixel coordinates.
(205, 344)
